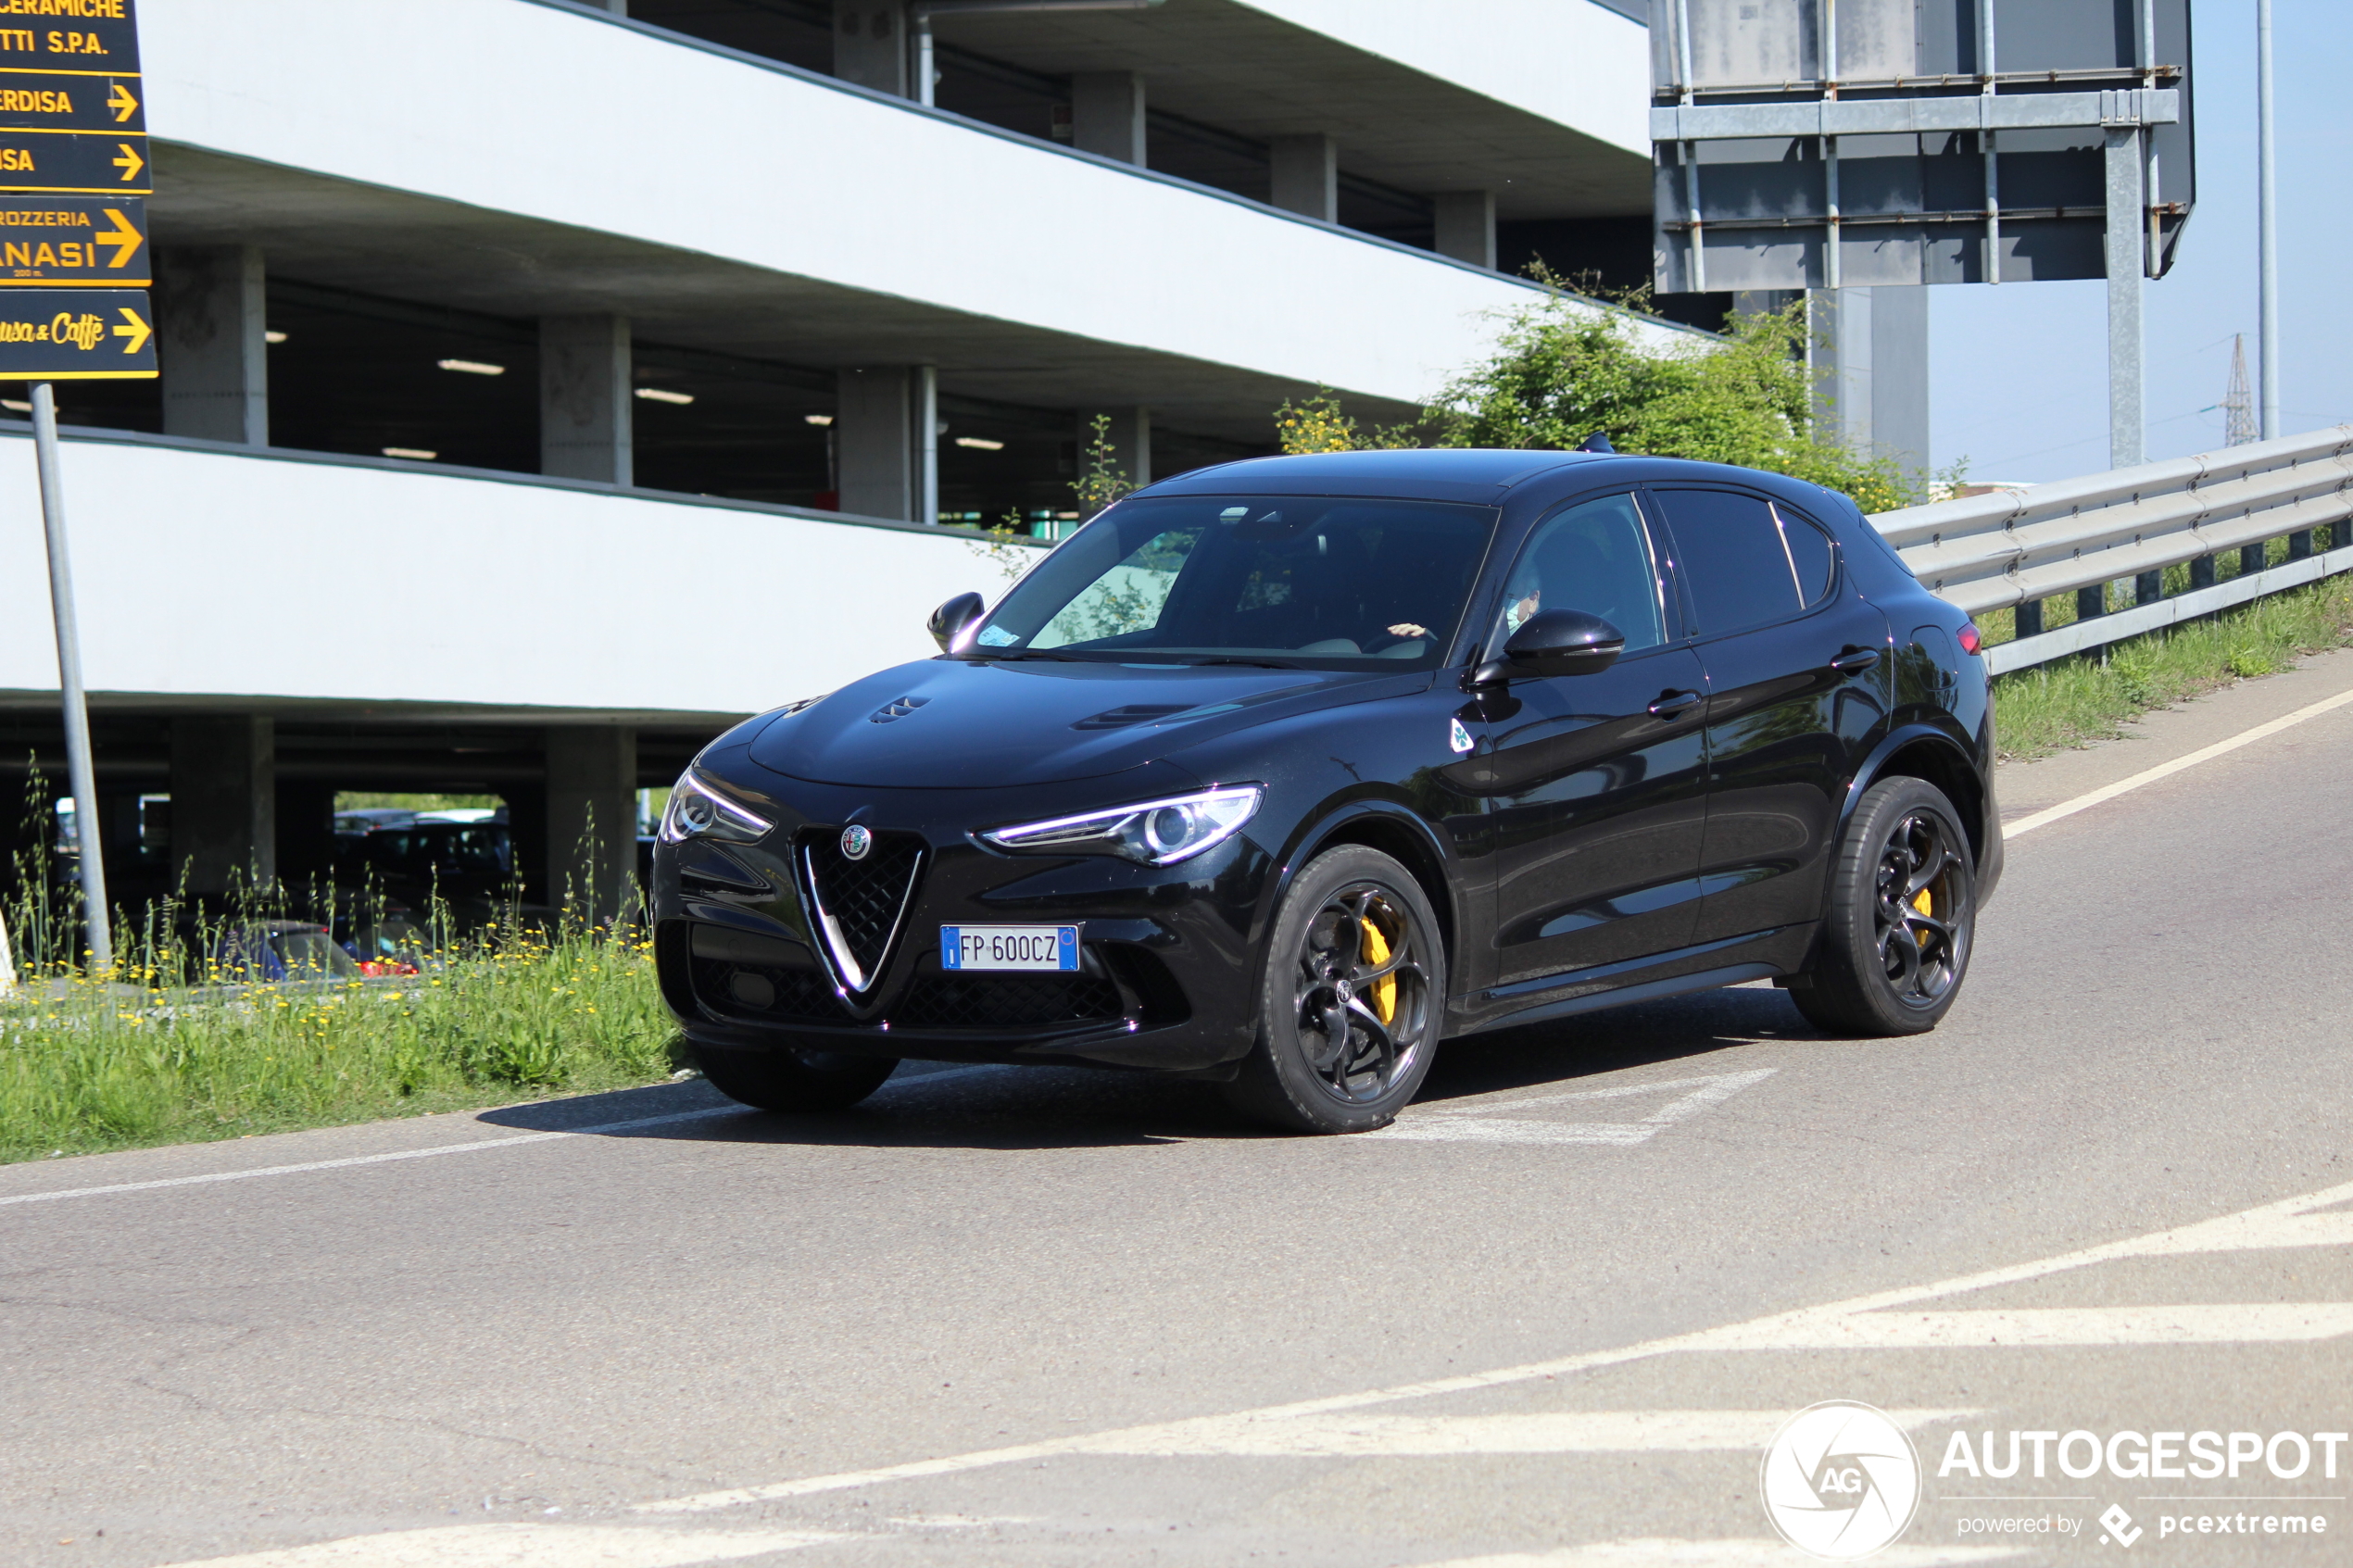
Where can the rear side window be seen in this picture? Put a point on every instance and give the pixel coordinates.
(1742, 563)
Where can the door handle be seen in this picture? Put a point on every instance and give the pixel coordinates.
(1674, 705)
(1853, 661)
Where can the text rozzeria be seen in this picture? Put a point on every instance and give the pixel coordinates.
(2156, 1456)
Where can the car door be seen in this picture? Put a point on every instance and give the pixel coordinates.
(1797, 665)
(1597, 782)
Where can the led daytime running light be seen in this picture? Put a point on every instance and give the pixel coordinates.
(1153, 833)
(699, 808)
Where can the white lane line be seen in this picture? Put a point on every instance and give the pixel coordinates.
(2264, 1322)
(1455, 1123)
(1653, 1552)
(2166, 769)
(525, 1545)
(1549, 1432)
(2281, 1224)
(471, 1147)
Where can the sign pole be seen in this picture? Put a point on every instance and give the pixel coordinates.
(2127, 427)
(88, 832)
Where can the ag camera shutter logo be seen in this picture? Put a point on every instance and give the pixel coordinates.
(1839, 1480)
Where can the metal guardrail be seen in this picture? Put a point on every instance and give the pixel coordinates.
(2012, 548)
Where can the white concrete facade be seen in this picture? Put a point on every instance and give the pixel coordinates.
(560, 115)
(1572, 61)
(277, 580)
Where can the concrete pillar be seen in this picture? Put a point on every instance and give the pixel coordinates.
(585, 398)
(1131, 439)
(875, 441)
(1107, 114)
(224, 802)
(306, 834)
(1870, 382)
(591, 817)
(1306, 176)
(871, 47)
(211, 315)
(1466, 226)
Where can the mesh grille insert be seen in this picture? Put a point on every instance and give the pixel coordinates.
(805, 996)
(864, 897)
(1007, 1001)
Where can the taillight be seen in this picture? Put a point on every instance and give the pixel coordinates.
(1970, 641)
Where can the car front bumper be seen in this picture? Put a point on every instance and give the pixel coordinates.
(1167, 967)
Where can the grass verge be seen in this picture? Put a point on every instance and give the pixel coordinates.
(86, 1066)
(2078, 701)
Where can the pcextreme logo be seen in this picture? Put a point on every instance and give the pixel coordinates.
(1839, 1480)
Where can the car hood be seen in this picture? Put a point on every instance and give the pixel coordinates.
(956, 724)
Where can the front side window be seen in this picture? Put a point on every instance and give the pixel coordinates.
(1594, 556)
(1310, 581)
(1742, 563)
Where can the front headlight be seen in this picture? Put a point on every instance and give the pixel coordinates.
(1154, 832)
(699, 807)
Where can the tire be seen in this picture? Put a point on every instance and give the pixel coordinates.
(793, 1079)
(1327, 973)
(1902, 919)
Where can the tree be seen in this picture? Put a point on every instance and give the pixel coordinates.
(1563, 370)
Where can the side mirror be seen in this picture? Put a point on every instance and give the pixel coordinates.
(1555, 642)
(950, 619)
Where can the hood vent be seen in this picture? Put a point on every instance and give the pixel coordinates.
(1138, 713)
(897, 708)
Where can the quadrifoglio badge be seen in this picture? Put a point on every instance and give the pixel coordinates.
(1840, 1480)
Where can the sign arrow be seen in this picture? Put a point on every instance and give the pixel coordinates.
(122, 103)
(130, 162)
(125, 239)
(138, 331)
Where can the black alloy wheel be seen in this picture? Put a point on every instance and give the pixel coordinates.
(1349, 1011)
(792, 1079)
(1902, 918)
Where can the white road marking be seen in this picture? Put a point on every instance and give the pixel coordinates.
(526, 1546)
(1653, 1552)
(1548, 1432)
(2265, 1323)
(2166, 769)
(2293, 1221)
(474, 1146)
(1480, 1124)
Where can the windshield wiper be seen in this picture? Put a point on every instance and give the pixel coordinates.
(1030, 653)
(1238, 658)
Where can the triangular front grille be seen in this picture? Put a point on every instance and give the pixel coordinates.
(860, 903)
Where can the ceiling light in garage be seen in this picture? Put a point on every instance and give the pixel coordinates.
(419, 453)
(14, 406)
(273, 337)
(664, 394)
(472, 368)
(980, 444)
(818, 419)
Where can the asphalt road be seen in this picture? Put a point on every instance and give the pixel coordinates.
(1052, 1317)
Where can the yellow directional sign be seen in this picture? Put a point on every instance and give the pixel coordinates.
(99, 162)
(32, 100)
(75, 334)
(50, 242)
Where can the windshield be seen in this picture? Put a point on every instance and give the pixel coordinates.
(1315, 582)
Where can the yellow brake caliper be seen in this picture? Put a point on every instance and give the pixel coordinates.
(1927, 906)
(1384, 991)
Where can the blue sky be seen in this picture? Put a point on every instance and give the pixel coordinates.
(2020, 372)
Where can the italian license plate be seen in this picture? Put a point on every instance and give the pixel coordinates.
(1008, 946)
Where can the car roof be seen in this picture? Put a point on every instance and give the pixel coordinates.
(1452, 473)
(1482, 475)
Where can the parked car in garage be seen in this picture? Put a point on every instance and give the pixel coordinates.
(1281, 773)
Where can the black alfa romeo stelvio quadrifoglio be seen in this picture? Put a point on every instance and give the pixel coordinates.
(1279, 772)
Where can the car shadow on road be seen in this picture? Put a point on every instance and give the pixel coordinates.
(933, 1105)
